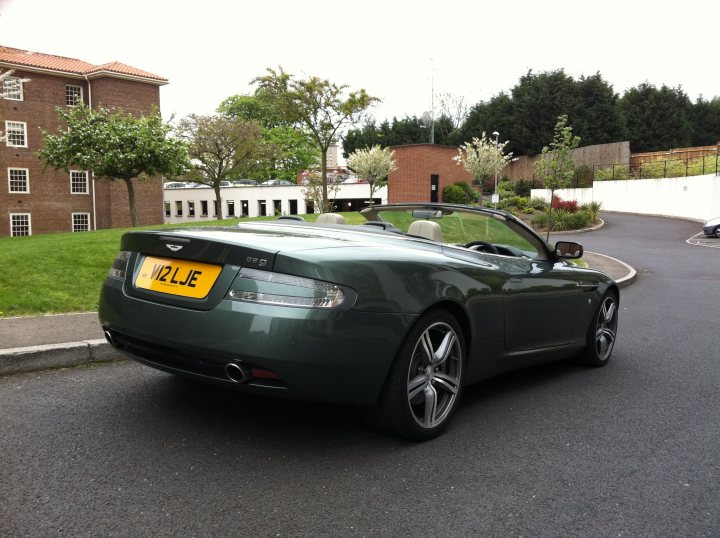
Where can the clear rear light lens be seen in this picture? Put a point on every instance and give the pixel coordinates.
(119, 266)
(265, 287)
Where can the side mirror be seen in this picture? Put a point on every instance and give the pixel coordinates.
(568, 250)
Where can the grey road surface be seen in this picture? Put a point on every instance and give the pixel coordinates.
(632, 449)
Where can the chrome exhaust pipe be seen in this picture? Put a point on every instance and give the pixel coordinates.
(109, 338)
(236, 373)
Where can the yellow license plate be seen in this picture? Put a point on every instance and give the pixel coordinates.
(177, 277)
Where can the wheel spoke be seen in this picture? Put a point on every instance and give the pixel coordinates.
(427, 347)
(446, 382)
(444, 349)
(608, 312)
(430, 405)
(416, 386)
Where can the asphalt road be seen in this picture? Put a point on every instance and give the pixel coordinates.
(632, 449)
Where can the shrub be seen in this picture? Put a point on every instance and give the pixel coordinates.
(569, 205)
(577, 220)
(460, 193)
(522, 187)
(512, 201)
(540, 220)
(453, 194)
(505, 189)
(538, 204)
(618, 172)
(561, 220)
(593, 210)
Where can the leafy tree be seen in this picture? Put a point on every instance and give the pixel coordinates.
(657, 119)
(482, 158)
(220, 149)
(705, 117)
(373, 165)
(114, 145)
(556, 165)
(313, 191)
(292, 149)
(320, 106)
(486, 117)
(595, 115)
(538, 99)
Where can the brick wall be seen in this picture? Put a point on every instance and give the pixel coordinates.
(415, 164)
(50, 201)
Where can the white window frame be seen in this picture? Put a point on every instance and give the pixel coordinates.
(29, 224)
(178, 208)
(73, 182)
(68, 94)
(191, 208)
(168, 209)
(83, 214)
(27, 180)
(13, 83)
(9, 126)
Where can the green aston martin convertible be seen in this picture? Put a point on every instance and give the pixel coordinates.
(395, 315)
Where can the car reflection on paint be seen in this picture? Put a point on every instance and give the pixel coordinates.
(395, 315)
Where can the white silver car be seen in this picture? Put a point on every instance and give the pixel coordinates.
(712, 227)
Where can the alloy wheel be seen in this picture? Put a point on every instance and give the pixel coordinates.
(434, 375)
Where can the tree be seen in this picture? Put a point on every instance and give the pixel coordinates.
(706, 122)
(486, 117)
(556, 165)
(293, 149)
(657, 119)
(373, 165)
(220, 149)
(114, 145)
(313, 191)
(482, 158)
(320, 106)
(596, 115)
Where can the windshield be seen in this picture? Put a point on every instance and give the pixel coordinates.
(467, 229)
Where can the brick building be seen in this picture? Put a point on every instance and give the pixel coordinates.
(35, 201)
(423, 171)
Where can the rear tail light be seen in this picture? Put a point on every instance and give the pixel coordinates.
(119, 266)
(265, 287)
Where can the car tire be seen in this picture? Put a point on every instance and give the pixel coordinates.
(602, 333)
(717, 231)
(424, 384)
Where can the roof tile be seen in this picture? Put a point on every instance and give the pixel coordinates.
(18, 57)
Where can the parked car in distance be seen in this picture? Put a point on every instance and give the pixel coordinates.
(277, 182)
(176, 185)
(712, 227)
(395, 315)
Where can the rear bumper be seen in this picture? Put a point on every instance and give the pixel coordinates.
(319, 355)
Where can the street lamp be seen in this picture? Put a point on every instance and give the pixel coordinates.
(495, 196)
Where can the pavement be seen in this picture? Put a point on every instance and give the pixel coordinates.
(62, 340)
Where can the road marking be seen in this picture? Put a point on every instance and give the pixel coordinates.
(701, 240)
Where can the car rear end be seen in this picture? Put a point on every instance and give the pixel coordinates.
(208, 305)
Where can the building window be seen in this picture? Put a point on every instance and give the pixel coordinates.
(178, 208)
(167, 209)
(231, 208)
(73, 95)
(20, 224)
(13, 88)
(203, 208)
(18, 180)
(191, 209)
(81, 222)
(78, 182)
(16, 134)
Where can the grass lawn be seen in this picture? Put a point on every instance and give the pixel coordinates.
(63, 272)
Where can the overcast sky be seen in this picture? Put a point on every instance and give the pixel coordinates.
(396, 50)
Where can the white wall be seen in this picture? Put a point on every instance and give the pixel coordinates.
(252, 196)
(693, 197)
